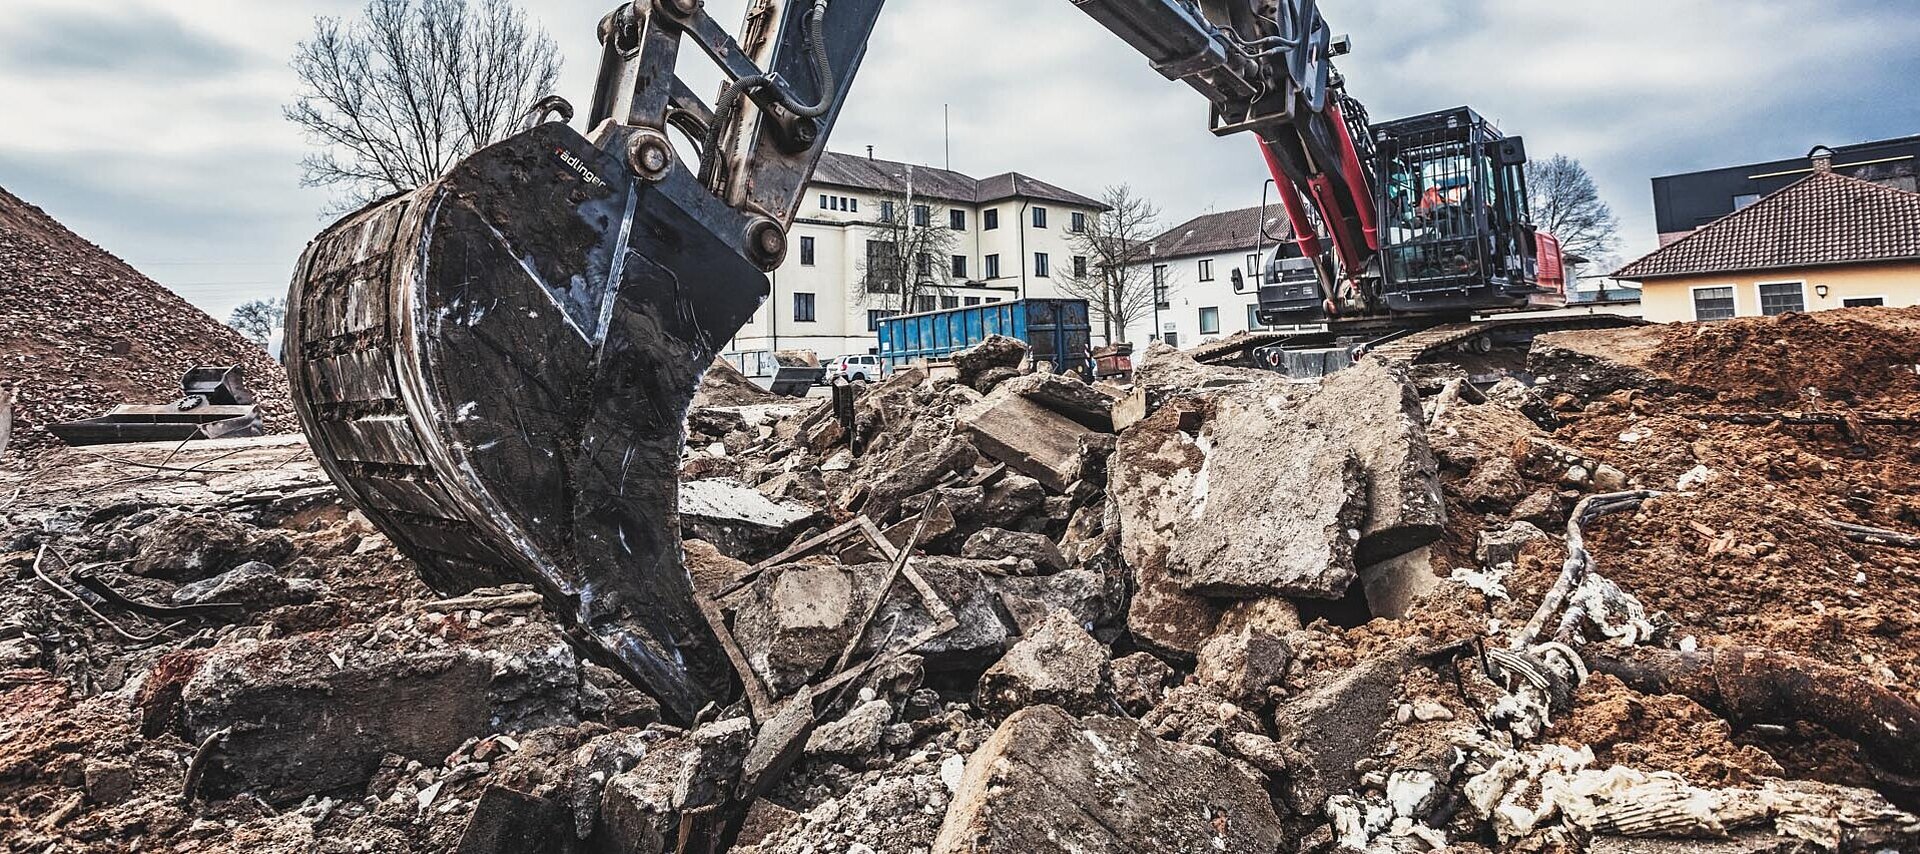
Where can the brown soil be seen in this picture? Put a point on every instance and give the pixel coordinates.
(1854, 357)
(82, 332)
(1661, 734)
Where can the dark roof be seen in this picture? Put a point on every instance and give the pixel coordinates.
(1821, 220)
(1214, 233)
(889, 176)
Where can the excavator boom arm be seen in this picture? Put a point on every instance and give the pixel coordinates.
(497, 366)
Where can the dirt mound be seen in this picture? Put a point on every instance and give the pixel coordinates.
(1856, 356)
(81, 331)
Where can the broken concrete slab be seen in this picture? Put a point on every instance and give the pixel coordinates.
(316, 712)
(1150, 475)
(1103, 785)
(1394, 586)
(641, 809)
(1335, 724)
(1056, 664)
(1029, 554)
(1034, 440)
(855, 735)
(1246, 667)
(738, 519)
(254, 585)
(1067, 395)
(508, 821)
(1273, 508)
(190, 547)
(993, 351)
(794, 621)
(1093, 597)
(1376, 412)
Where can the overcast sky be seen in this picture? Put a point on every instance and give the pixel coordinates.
(153, 126)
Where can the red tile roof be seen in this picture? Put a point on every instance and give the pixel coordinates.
(1822, 220)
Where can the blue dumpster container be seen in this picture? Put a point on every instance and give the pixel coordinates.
(1057, 330)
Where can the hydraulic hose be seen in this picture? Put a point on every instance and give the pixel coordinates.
(730, 98)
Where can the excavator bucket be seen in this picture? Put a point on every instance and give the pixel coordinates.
(496, 369)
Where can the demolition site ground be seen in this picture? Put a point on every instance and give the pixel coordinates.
(1665, 596)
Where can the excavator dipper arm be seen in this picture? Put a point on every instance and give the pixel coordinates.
(496, 367)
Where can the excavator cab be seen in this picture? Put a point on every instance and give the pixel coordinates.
(1456, 234)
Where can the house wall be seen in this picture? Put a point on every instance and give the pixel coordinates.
(1671, 300)
(1188, 294)
(841, 305)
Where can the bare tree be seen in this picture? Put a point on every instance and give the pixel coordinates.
(909, 254)
(258, 319)
(1117, 283)
(1567, 205)
(396, 97)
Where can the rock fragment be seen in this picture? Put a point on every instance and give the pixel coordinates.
(1034, 554)
(1057, 664)
(1104, 785)
(1032, 439)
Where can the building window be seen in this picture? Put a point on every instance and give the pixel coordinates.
(886, 212)
(853, 205)
(1713, 303)
(1863, 302)
(973, 301)
(806, 251)
(923, 266)
(1206, 270)
(823, 201)
(1160, 286)
(923, 302)
(1210, 321)
(993, 266)
(1079, 266)
(1039, 217)
(1042, 265)
(1745, 200)
(960, 267)
(949, 302)
(1253, 317)
(874, 316)
(957, 220)
(1172, 339)
(883, 267)
(1783, 298)
(1079, 223)
(991, 219)
(803, 308)
(922, 216)
(993, 299)
(1253, 267)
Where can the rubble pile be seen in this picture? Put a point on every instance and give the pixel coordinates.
(82, 332)
(1634, 606)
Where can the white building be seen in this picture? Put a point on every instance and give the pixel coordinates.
(1195, 262)
(1012, 240)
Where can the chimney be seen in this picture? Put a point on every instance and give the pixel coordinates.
(1822, 159)
(869, 152)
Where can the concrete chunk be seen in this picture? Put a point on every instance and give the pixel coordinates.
(1154, 467)
(1057, 664)
(1068, 396)
(1048, 782)
(1030, 438)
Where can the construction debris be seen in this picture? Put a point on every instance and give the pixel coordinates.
(1262, 616)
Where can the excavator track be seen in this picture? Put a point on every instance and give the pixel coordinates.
(1408, 350)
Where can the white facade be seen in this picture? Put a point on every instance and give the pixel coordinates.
(1201, 304)
(819, 303)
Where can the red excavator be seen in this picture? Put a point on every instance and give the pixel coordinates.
(496, 367)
